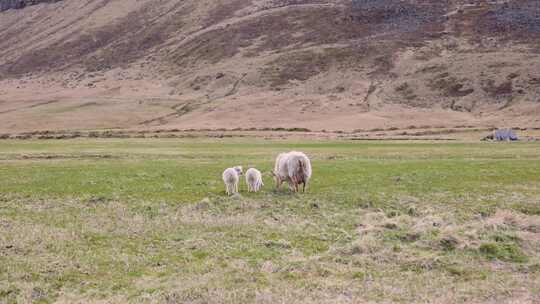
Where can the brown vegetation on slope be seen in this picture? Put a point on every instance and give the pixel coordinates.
(347, 64)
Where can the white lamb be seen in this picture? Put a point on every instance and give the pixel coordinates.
(231, 176)
(254, 180)
(294, 168)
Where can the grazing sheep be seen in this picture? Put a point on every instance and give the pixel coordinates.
(254, 180)
(231, 176)
(294, 168)
(280, 172)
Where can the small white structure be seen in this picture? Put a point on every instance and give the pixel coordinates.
(294, 168)
(231, 176)
(254, 180)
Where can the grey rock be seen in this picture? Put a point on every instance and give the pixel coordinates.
(18, 4)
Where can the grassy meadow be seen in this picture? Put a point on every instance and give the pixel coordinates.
(147, 221)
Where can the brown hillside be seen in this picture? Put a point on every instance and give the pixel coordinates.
(337, 65)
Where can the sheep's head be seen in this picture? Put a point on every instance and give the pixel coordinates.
(239, 170)
(276, 178)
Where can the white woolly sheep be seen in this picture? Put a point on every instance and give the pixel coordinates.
(294, 168)
(254, 180)
(231, 176)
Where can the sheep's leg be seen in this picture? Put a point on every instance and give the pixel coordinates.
(297, 183)
(278, 183)
(304, 187)
(291, 186)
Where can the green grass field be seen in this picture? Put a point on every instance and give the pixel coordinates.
(147, 221)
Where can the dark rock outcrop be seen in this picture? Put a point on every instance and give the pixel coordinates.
(18, 4)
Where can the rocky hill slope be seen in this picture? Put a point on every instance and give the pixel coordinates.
(318, 64)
